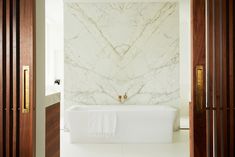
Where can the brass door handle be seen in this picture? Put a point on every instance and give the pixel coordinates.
(25, 92)
(199, 87)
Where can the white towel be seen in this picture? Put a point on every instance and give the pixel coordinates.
(102, 123)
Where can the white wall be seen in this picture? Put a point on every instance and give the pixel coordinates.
(54, 41)
(117, 48)
(55, 20)
(55, 47)
(55, 67)
(185, 56)
(40, 78)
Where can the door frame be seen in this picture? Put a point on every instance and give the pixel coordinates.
(17, 34)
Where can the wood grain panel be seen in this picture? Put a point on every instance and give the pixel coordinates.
(10, 59)
(1, 77)
(15, 75)
(210, 75)
(219, 51)
(191, 129)
(232, 49)
(224, 78)
(7, 82)
(198, 28)
(231, 14)
(27, 57)
(53, 131)
(221, 71)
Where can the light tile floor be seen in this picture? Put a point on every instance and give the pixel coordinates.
(179, 148)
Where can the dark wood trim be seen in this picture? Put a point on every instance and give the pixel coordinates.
(1, 79)
(221, 83)
(231, 14)
(210, 75)
(8, 78)
(17, 130)
(53, 131)
(198, 29)
(232, 117)
(8, 123)
(224, 79)
(191, 129)
(15, 75)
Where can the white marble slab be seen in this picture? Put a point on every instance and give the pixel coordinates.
(52, 99)
(117, 48)
(52, 96)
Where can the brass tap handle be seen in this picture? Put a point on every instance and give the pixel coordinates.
(125, 96)
(120, 98)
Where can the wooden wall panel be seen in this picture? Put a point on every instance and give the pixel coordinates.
(27, 58)
(15, 75)
(221, 74)
(53, 131)
(8, 80)
(9, 66)
(231, 19)
(191, 129)
(232, 45)
(210, 75)
(198, 30)
(1, 78)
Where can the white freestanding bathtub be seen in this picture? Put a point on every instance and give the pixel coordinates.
(134, 124)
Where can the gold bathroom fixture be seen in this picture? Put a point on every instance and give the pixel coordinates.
(120, 98)
(125, 96)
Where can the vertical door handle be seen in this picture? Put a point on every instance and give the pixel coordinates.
(199, 87)
(25, 87)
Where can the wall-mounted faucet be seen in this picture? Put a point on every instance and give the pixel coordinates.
(125, 96)
(122, 98)
(57, 81)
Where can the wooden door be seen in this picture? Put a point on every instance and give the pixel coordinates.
(17, 77)
(212, 125)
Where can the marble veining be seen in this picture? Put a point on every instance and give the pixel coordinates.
(113, 48)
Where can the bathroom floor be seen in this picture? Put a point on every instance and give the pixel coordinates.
(179, 148)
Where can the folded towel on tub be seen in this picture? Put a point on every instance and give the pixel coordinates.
(102, 123)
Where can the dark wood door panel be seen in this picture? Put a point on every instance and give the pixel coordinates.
(1, 78)
(8, 80)
(27, 50)
(220, 94)
(53, 131)
(213, 48)
(17, 49)
(198, 30)
(15, 75)
(231, 122)
(7, 77)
